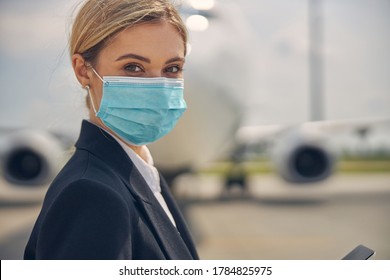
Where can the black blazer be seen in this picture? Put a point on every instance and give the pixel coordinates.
(100, 207)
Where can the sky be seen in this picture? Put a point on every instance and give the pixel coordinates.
(38, 87)
(355, 53)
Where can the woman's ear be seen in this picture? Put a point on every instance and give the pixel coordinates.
(81, 70)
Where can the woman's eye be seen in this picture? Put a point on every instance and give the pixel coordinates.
(133, 68)
(173, 69)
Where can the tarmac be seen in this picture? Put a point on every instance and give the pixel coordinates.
(268, 219)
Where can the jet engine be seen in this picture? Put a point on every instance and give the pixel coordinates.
(29, 161)
(302, 157)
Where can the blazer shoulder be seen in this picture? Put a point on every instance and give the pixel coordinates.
(82, 210)
(85, 189)
(84, 169)
(84, 164)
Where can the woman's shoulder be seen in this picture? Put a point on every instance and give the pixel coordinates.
(86, 166)
(89, 193)
(85, 176)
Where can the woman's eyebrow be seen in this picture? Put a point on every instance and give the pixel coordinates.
(135, 56)
(147, 60)
(177, 58)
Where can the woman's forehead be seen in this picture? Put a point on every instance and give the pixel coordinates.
(149, 39)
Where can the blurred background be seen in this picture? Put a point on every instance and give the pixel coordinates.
(283, 153)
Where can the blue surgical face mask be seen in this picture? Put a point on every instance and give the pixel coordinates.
(140, 110)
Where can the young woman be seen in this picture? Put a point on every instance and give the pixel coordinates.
(109, 201)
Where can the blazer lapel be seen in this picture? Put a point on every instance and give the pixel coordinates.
(180, 221)
(165, 232)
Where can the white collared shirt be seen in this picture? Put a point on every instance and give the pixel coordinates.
(148, 172)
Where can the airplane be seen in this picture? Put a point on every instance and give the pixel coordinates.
(31, 155)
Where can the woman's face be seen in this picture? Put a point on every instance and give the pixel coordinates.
(146, 50)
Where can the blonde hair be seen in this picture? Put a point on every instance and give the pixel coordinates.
(99, 20)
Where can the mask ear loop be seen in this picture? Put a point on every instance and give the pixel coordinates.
(93, 106)
(90, 98)
(88, 88)
(94, 71)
